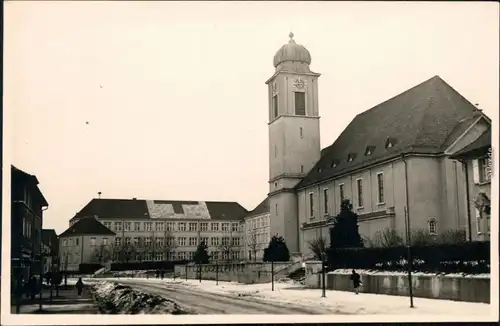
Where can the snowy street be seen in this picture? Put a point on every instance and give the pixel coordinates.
(288, 298)
(199, 301)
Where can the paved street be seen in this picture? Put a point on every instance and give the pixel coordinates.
(202, 302)
(67, 302)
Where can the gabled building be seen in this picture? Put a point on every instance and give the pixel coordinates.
(86, 241)
(27, 206)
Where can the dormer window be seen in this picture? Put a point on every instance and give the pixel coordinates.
(369, 150)
(335, 163)
(319, 170)
(390, 142)
(351, 157)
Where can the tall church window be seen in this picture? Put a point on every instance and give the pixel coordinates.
(359, 183)
(380, 183)
(275, 106)
(325, 200)
(341, 192)
(300, 103)
(311, 205)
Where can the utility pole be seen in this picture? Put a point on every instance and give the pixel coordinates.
(323, 274)
(216, 272)
(41, 273)
(272, 274)
(410, 259)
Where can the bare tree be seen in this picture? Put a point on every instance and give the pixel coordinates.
(226, 248)
(452, 237)
(102, 254)
(169, 244)
(252, 244)
(387, 238)
(317, 246)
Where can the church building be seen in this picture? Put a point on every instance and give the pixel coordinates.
(392, 161)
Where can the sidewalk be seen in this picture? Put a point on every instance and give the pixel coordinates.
(68, 302)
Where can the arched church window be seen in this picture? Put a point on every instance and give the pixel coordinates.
(432, 226)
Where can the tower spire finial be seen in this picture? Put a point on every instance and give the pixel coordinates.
(291, 35)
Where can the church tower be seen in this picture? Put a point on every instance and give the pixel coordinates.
(294, 138)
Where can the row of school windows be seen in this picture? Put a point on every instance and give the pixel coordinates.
(181, 255)
(173, 226)
(360, 195)
(258, 222)
(179, 241)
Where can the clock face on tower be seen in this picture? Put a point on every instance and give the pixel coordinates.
(299, 83)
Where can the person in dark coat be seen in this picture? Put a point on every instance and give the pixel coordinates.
(32, 287)
(79, 286)
(356, 281)
(162, 274)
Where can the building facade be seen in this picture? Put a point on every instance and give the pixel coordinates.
(50, 250)
(476, 160)
(27, 206)
(86, 241)
(257, 231)
(157, 230)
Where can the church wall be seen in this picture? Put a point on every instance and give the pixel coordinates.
(428, 197)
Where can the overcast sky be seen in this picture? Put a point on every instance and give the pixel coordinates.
(175, 97)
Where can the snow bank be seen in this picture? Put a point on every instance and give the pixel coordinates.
(113, 298)
(396, 273)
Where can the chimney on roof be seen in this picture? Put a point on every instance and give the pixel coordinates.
(135, 198)
(99, 194)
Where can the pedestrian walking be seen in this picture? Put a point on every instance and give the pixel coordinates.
(32, 287)
(79, 286)
(162, 274)
(356, 281)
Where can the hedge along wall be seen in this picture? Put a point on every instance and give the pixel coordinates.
(247, 273)
(448, 287)
(467, 257)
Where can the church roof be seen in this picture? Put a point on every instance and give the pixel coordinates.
(87, 226)
(260, 209)
(477, 148)
(136, 209)
(419, 120)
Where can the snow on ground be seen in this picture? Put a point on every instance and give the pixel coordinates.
(375, 272)
(344, 302)
(119, 299)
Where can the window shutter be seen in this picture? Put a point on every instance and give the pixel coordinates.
(478, 221)
(475, 171)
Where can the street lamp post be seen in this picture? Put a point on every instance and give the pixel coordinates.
(272, 273)
(323, 275)
(216, 272)
(409, 256)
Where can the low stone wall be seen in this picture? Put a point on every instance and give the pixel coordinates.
(458, 288)
(247, 273)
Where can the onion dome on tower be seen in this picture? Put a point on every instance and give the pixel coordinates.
(292, 52)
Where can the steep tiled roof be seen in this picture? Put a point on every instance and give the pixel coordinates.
(226, 211)
(115, 208)
(31, 178)
(147, 209)
(87, 226)
(260, 209)
(419, 120)
(477, 148)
